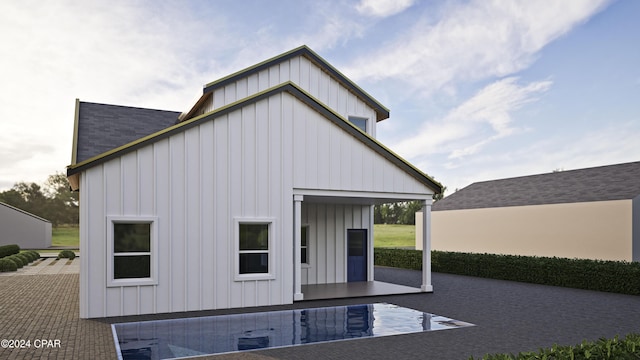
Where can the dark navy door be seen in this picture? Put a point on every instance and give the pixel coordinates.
(357, 255)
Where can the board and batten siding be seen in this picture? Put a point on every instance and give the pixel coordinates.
(303, 73)
(327, 245)
(244, 164)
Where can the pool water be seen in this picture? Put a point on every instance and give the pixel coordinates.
(176, 338)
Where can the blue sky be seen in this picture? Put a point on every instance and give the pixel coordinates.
(478, 90)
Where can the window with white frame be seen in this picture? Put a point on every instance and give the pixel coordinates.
(359, 122)
(304, 245)
(254, 247)
(132, 254)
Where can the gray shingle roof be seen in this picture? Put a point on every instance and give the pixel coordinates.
(103, 127)
(612, 182)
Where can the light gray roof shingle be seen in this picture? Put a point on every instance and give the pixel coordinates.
(611, 182)
(103, 127)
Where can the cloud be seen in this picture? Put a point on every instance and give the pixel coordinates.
(471, 41)
(128, 53)
(466, 129)
(383, 8)
(612, 144)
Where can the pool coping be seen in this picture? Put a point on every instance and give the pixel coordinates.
(432, 318)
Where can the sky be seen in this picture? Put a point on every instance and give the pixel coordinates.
(477, 90)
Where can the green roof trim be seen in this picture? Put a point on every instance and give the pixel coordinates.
(381, 111)
(76, 117)
(289, 87)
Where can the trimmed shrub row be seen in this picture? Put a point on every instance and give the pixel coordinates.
(627, 348)
(7, 250)
(17, 261)
(7, 265)
(69, 254)
(611, 276)
(400, 258)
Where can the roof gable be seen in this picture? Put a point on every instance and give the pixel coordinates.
(17, 210)
(611, 182)
(101, 127)
(289, 87)
(381, 111)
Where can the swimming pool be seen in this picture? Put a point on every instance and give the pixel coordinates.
(177, 338)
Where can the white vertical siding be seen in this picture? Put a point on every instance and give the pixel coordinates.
(196, 182)
(326, 157)
(328, 224)
(305, 74)
(207, 196)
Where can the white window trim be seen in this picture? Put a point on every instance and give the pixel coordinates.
(367, 125)
(308, 263)
(153, 279)
(271, 222)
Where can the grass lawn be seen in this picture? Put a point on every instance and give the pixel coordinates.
(65, 236)
(394, 236)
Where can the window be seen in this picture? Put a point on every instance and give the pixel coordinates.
(304, 245)
(359, 122)
(132, 243)
(254, 248)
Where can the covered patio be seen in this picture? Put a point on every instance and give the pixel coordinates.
(355, 289)
(325, 219)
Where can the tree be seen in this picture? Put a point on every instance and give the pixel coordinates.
(54, 202)
(402, 212)
(440, 196)
(409, 214)
(66, 202)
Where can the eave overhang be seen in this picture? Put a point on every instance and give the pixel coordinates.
(382, 112)
(289, 87)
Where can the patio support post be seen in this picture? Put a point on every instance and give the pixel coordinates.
(297, 245)
(426, 246)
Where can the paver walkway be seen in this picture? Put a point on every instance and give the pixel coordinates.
(47, 266)
(509, 317)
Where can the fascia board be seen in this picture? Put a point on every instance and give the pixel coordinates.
(381, 111)
(289, 87)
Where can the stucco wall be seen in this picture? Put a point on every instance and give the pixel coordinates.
(636, 228)
(590, 230)
(23, 229)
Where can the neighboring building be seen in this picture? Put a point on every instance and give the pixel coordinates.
(24, 229)
(589, 213)
(266, 184)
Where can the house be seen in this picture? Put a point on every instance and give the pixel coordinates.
(589, 213)
(24, 229)
(263, 190)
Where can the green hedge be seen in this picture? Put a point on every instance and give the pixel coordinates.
(400, 258)
(7, 265)
(67, 254)
(25, 259)
(16, 259)
(29, 255)
(34, 254)
(612, 276)
(8, 250)
(627, 348)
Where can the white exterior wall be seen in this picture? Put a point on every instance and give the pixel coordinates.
(243, 164)
(303, 73)
(23, 229)
(327, 234)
